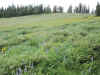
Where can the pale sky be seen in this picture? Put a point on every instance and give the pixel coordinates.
(64, 3)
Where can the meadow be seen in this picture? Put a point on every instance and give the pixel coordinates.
(50, 44)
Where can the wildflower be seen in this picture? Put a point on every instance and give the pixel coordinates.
(3, 50)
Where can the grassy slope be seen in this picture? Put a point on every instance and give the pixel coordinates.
(55, 44)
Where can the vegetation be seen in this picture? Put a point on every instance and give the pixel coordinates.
(47, 9)
(49, 42)
(61, 44)
(81, 9)
(98, 9)
(70, 10)
(14, 11)
(57, 9)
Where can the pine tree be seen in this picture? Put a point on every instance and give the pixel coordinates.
(47, 9)
(69, 9)
(12, 11)
(98, 9)
(60, 9)
(82, 9)
(55, 9)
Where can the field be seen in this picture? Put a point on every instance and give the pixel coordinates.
(52, 44)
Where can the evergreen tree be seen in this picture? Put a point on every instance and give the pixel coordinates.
(60, 9)
(69, 9)
(76, 10)
(12, 11)
(41, 8)
(47, 9)
(81, 9)
(55, 9)
(93, 11)
(98, 9)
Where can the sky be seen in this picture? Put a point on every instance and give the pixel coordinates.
(63, 3)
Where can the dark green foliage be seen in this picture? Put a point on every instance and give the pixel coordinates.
(47, 9)
(81, 9)
(13, 11)
(57, 9)
(98, 9)
(70, 9)
(60, 9)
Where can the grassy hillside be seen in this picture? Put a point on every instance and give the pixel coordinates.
(53, 44)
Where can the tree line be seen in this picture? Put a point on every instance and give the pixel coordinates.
(84, 9)
(13, 11)
(79, 9)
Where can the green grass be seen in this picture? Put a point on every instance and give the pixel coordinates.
(53, 44)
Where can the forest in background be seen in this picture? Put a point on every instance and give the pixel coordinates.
(13, 11)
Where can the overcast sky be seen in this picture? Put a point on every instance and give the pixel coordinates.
(64, 3)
